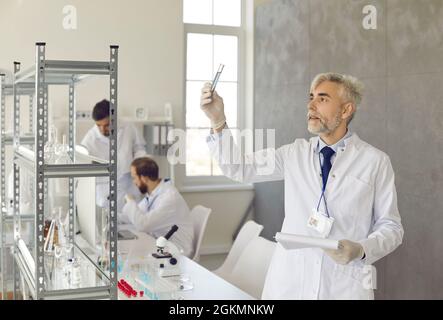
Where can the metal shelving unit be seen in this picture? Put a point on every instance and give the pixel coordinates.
(6, 140)
(69, 73)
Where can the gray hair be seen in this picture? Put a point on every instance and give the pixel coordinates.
(352, 88)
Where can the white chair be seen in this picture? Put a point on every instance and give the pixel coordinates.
(249, 273)
(249, 231)
(200, 216)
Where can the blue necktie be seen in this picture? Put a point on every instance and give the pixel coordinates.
(327, 153)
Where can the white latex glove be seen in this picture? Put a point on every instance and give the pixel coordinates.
(347, 251)
(212, 105)
(129, 197)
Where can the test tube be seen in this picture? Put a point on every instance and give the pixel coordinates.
(217, 76)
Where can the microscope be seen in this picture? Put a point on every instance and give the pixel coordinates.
(166, 264)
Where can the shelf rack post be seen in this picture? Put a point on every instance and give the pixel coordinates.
(3, 186)
(41, 117)
(113, 79)
(16, 173)
(72, 130)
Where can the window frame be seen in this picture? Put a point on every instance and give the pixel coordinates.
(193, 183)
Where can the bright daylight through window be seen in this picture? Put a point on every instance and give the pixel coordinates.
(212, 35)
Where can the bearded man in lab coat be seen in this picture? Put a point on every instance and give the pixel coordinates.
(162, 207)
(130, 145)
(336, 186)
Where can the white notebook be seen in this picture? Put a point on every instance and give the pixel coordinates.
(294, 241)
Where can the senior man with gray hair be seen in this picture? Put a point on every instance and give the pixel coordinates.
(336, 186)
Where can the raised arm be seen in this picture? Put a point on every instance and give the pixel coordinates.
(263, 165)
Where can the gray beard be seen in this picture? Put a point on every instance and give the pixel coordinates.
(324, 128)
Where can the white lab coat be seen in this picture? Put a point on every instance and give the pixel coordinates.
(165, 208)
(361, 197)
(130, 145)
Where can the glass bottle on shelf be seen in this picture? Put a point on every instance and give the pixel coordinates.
(103, 237)
(62, 265)
(59, 262)
(62, 153)
(76, 277)
(61, 224)
(51, 145)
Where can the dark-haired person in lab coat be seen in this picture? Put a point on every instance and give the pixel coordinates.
(336, 186)
(130, 145)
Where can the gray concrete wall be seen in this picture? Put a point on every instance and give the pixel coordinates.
(401, 65)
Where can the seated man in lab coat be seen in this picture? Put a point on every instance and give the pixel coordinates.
(130, 145)
(336, 186)
(162, 207)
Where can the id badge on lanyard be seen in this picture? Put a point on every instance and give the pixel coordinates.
(319, 221)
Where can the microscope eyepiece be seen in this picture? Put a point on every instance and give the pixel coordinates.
(174, 228)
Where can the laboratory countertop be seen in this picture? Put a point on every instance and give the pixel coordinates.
(200, 283)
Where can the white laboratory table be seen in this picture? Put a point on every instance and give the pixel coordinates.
(206, 284)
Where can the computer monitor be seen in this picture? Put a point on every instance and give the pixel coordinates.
(86, 209)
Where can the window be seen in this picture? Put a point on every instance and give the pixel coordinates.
(213, 35)
(212, 12)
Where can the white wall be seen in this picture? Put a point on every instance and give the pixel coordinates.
(149, 32)
(151, 68)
